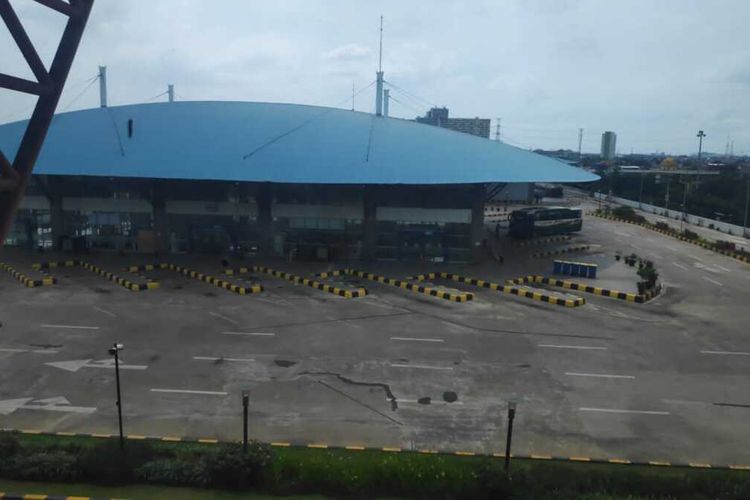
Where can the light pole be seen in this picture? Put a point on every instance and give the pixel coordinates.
(640, 193)
(114, 351)
(700, 137)
(509, 436)
(747, 201)
(245, 404)
(684, 205)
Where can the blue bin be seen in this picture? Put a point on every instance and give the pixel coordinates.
(575, 269)
(565, 269)
(592, 271)
(557, 267)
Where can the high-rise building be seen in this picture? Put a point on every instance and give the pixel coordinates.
(609, 145)
(474, 126)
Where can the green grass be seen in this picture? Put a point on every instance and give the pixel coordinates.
(371, 474)
(134, 492)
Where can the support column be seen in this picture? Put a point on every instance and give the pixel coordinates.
(477, 223)
(56, 219)
(159, 218)
(369, 225)
(264, 199)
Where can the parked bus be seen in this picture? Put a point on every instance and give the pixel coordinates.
(543, 221)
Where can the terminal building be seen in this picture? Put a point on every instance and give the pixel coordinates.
(278, 179)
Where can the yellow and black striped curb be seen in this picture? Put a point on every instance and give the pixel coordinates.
(299, 280)
(330, 274)
(40, 496)
(395, 449)
(25, 280)
(206, 278)
(453, 297)
(582, 287)
(539, 241)
(560, 251)
(130, 285)
(676, 235)
(511, 290)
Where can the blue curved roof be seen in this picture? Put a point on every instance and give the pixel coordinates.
(285, 143)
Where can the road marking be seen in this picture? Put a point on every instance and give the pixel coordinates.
(108, 313)
(680, 266)
(221, 316)
(723, 268)
(77, 364)
(211, 358)
(727, 353)
(415, 339)
(582, 347)
(636, 246)
(712, 281)
(600, 375)
(188, 391)
(58, 403)
(612, 410)
(423, 367)
(257, 334)
(35, 351)
(78, 327)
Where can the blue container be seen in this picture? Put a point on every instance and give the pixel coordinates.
(592, 271)
(565, 267)
(557, 267)
(575, 269)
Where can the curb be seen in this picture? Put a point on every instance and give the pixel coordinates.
(511, 290)
(299, 280)
(453, 297)
(538, 241)
(211, 280)
(539, 255)
(395, 449)
(677, 236)
(40, 496)
(582, 287)
(130, 285)
(25, 280)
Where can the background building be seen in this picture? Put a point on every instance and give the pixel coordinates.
(609, 145)
(289, 180)
(439, 118)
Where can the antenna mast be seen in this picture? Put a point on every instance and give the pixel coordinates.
(379, 77)
(380, 61)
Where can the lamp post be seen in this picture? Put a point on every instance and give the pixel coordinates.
(684, 204)
(700, 137)
(114, 351)
(747, 203)
(509, 436)
(245, 404)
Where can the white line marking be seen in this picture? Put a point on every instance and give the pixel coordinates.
(582, 347)
(723, 268)
(727, 353)
(712, 281)
(186, 391)
(636, 246)
(424, 367)
(680, 266)
(71, 326)
(211, 358)
(35, 351)
(230, 320)
(683, 402)
(258, 334)
(414, 339)
(108, 313)
(611, 410)
(600, 375)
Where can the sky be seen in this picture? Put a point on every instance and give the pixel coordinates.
(655, 72)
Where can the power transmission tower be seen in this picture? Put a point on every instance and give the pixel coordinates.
(700, 137)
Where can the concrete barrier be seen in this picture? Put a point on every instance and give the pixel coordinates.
(508, 289)
(582, 287)
(206, 278)
(406, 285)
(561, 251)
(300, 280)
(25, 280)
(130, 285)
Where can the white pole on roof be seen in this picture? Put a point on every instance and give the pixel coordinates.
(103, 86)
